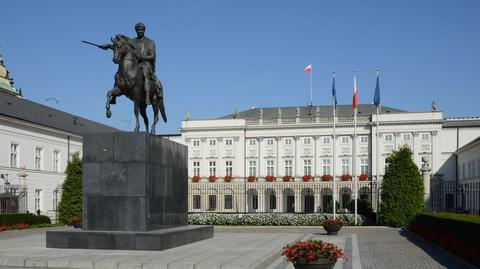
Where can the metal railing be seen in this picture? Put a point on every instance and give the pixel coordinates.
(455, 196)
(13, 199)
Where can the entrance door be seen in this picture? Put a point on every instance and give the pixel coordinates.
(290, 204)
(309, 204)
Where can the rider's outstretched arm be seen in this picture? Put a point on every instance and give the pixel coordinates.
(106, 46)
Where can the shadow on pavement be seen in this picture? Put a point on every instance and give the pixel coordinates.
(441, 256)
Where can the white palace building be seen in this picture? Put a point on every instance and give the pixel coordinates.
(280, 159)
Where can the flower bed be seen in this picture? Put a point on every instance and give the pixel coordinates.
(251, 178)
(270, 219)
(11, 219)
(452, 232)
(227, 178)
(287, 178)
(346, 177)
(195, 179)
(212, 178)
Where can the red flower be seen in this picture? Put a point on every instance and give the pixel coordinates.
(2, 228)
(195, 179)
(21, 226)
(287, 178)
(212, 178)
(346, 177)
(251, 178)
(327, 177)
(270, 178)
(227, 178)
(312, 250)
(363, 177)
(306, 177)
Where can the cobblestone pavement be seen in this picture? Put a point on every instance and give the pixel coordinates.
(366, 247)
(379, 247)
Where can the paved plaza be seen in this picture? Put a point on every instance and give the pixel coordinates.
(233, 248)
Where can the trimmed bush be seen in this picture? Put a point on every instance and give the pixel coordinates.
(270, 219)
(27, 218)
(71, 203)
(460, 226)
(402, 190)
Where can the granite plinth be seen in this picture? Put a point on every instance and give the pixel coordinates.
(127, 240)
(133, 182)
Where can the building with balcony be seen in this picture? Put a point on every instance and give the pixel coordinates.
(281, 159)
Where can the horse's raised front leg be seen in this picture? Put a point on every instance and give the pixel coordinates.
(143, 112)
(136, 112)
(111, 96)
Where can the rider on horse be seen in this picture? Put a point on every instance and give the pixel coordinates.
(145, 52)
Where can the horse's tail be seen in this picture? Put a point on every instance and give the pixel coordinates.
(162, 110)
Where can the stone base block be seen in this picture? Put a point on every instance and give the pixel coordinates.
(126, 240)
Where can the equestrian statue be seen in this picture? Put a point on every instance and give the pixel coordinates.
(136, 77)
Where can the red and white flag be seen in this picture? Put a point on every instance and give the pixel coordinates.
(308, 69)
(355, 94)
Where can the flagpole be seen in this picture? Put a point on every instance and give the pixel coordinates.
(311, 86)
(354, 144)
(334, 146)
(377, 162)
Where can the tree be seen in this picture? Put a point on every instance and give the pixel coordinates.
(71, 203)
(402, 190)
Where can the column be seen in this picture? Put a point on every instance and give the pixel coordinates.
(296, 166)
(298, 199)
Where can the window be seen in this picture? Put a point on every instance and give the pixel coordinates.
(363, 139)
(270, 141)
(14, 155)
(345, 166)
(197, 201)
(212, 202)
(252, 168)
(228, 201)
(56, 158)
(424, 136)
(307, 140)
(252, 142)
(196, 169)
(407, 137)
(38, 158)
(228, 142)
(288, 168)
(212, 168)
(38, 199)
(307, 167)
(326, 167)
(212, 142)
(326, 140)
(270, 168)
(388, 137)
(228, 168)
(345, 140)
(273, 201)
(196, 143)
(364, 166)
(287, 141)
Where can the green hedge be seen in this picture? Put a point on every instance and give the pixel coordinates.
(270, 219)
(461, 226)
(28, 218)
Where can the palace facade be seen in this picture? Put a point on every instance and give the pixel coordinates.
(281, 159)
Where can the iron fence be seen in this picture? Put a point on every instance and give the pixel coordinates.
(13, 199)
(455, 196)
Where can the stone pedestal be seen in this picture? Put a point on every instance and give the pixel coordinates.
(132, 182)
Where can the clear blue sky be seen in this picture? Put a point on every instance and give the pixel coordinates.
(214, 56)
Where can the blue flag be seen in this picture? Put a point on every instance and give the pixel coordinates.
(334, 91)
(376, 97)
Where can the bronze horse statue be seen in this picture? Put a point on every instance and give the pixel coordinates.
(129, 81)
